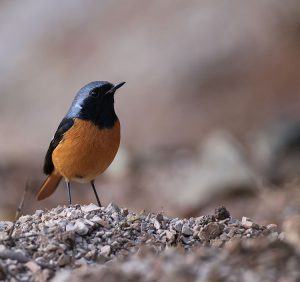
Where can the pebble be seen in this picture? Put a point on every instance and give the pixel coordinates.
(104, 223)
(51, 247)
(105, 250)
(272, 227)
(70, 227)
(178, 225)
(170, 235)
(63, 260)
(210, 231)
(221, 213)
(81, 228)
(33, 266)
(186, 230)
(246, 222)
(90, 208)
(157, 224)
(76, 236)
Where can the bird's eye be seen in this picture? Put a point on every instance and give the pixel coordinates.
(94, 94)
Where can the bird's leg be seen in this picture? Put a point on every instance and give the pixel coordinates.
(69, 191)
(94, 188)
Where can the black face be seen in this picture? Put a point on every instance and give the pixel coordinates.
(95, 102)
(100, 91)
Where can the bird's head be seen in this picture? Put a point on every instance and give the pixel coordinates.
(95, 102)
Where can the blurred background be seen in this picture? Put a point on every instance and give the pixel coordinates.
(210, 113)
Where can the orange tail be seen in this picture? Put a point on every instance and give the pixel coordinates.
(49, 186)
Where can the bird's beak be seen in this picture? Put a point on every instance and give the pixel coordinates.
(116, 86)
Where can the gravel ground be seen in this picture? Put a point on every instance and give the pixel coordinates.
(80, 243)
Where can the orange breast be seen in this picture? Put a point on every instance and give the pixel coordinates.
(86, 151)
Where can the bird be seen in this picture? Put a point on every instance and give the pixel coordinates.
(86, 140)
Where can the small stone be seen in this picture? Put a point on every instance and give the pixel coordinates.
(113, 208)
(135, 226)
(89, 222)
(39, 212)
(63, 260)
(178, 226)
(124, 212)
(70, 227)
(217, 243)
(6, 225)
(104, 223)
(247, 222)
(32, 266)
(186, 230)
(210, 231)
(157, 224)
(170, 236)
(105, 250)
(24, 218)
(90, 208)
(3, 236)
(90, 255)
(223, 237)
(273, 227)
(186, 240)
(51, 247)
(81, 228)
(95, 219)
(159, 217)
(221, 213)
(255, 226)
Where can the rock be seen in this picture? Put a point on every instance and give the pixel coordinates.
(90, 208)
(90, 255)
(221, 213)
(112, 208)
(159, 217)
(24, 218)
(156, 224)
(178, 225)
(39, 212)
(247, 222)
(33, 266)
(51, 247)
(210, 231)
(105, 250)
(124, 211)
(186, 230)
(3, 236)
(4, 225)
(104, 223)
(217, 243)
(63, 260)
(272, 227)
(170, 235)
(70, 227)
(81, 228)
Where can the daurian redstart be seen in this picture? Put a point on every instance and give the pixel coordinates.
(86, 141)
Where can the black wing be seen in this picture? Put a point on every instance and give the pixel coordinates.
(65, 124)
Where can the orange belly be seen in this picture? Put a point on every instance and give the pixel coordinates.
(86, 151)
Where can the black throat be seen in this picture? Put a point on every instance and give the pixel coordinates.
(102, 114)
